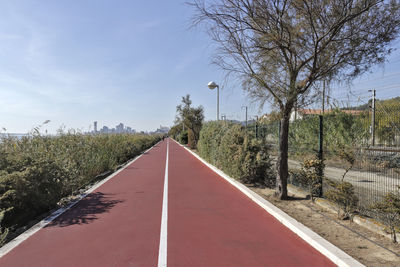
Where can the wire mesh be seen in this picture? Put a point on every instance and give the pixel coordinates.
(357, 148)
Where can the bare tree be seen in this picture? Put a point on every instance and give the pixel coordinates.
(280, 49)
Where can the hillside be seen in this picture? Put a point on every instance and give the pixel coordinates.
(385, 102)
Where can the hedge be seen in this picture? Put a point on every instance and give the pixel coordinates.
(237, 152)
(37, 171)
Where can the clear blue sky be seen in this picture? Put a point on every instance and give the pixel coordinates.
(74, 62)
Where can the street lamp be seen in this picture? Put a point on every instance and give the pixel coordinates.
(212, 86)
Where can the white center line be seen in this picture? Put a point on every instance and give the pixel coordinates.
(162, 252)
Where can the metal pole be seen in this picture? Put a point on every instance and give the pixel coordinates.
(256, 127)
(217, 103)
(323, 98)
(320, 171)
(373, 116)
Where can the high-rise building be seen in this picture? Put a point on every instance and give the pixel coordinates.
(95, 127)
(120, 128)
(105, 129)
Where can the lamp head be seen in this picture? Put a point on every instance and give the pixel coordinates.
(212, 85)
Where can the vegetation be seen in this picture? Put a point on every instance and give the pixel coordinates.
(175, 130)
(388, 211)
(37, 171)
(310, 175)
(183, 137)
(239, 154)
(3, 232)
(340, 130)
(282, 49)
(387, 121)
(342, 192)
(192, 118)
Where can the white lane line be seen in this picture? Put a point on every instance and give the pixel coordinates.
(162, 252)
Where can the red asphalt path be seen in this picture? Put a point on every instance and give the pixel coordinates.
(210, 223)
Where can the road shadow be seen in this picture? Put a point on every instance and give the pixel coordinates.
(87, 210)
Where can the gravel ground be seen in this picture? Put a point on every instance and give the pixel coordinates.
(367, 247)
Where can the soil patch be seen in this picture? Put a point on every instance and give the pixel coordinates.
(367, 247)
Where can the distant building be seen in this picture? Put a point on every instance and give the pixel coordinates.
(105, 129)
(119, 128)
(162, 129)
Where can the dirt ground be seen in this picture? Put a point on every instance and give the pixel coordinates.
(353, 239)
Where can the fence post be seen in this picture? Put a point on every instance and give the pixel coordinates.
(256, 126)
(320, 171)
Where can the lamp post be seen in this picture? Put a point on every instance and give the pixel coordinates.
(212, 86)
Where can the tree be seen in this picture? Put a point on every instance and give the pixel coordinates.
(192, 118)
(280, 49)
(175, 130)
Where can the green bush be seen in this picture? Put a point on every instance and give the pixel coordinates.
(191, 139)
(309, 176)
(342, 194)
(236, 152)
(388, 211)
(3, 232)
(183, 137)
(37, 171)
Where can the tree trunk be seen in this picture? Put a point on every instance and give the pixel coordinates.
(282, 163)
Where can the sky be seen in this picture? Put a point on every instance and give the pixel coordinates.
(75, 62)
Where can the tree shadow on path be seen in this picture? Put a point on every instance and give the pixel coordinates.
(87, 210)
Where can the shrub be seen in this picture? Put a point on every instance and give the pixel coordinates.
(342, 194)
(237, 153)
(3, 232)
(183, 137)
(309, 177)
(388, 211)
(191, 139)
(37, 171)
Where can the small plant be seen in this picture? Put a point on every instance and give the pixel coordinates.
(342, 193)
(3, 232)
(311, 175)
(349, 157)
(388, 211)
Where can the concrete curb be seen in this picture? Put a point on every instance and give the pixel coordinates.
(336, 255)
(31, 231)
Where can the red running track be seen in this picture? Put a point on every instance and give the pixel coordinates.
(210, 223)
